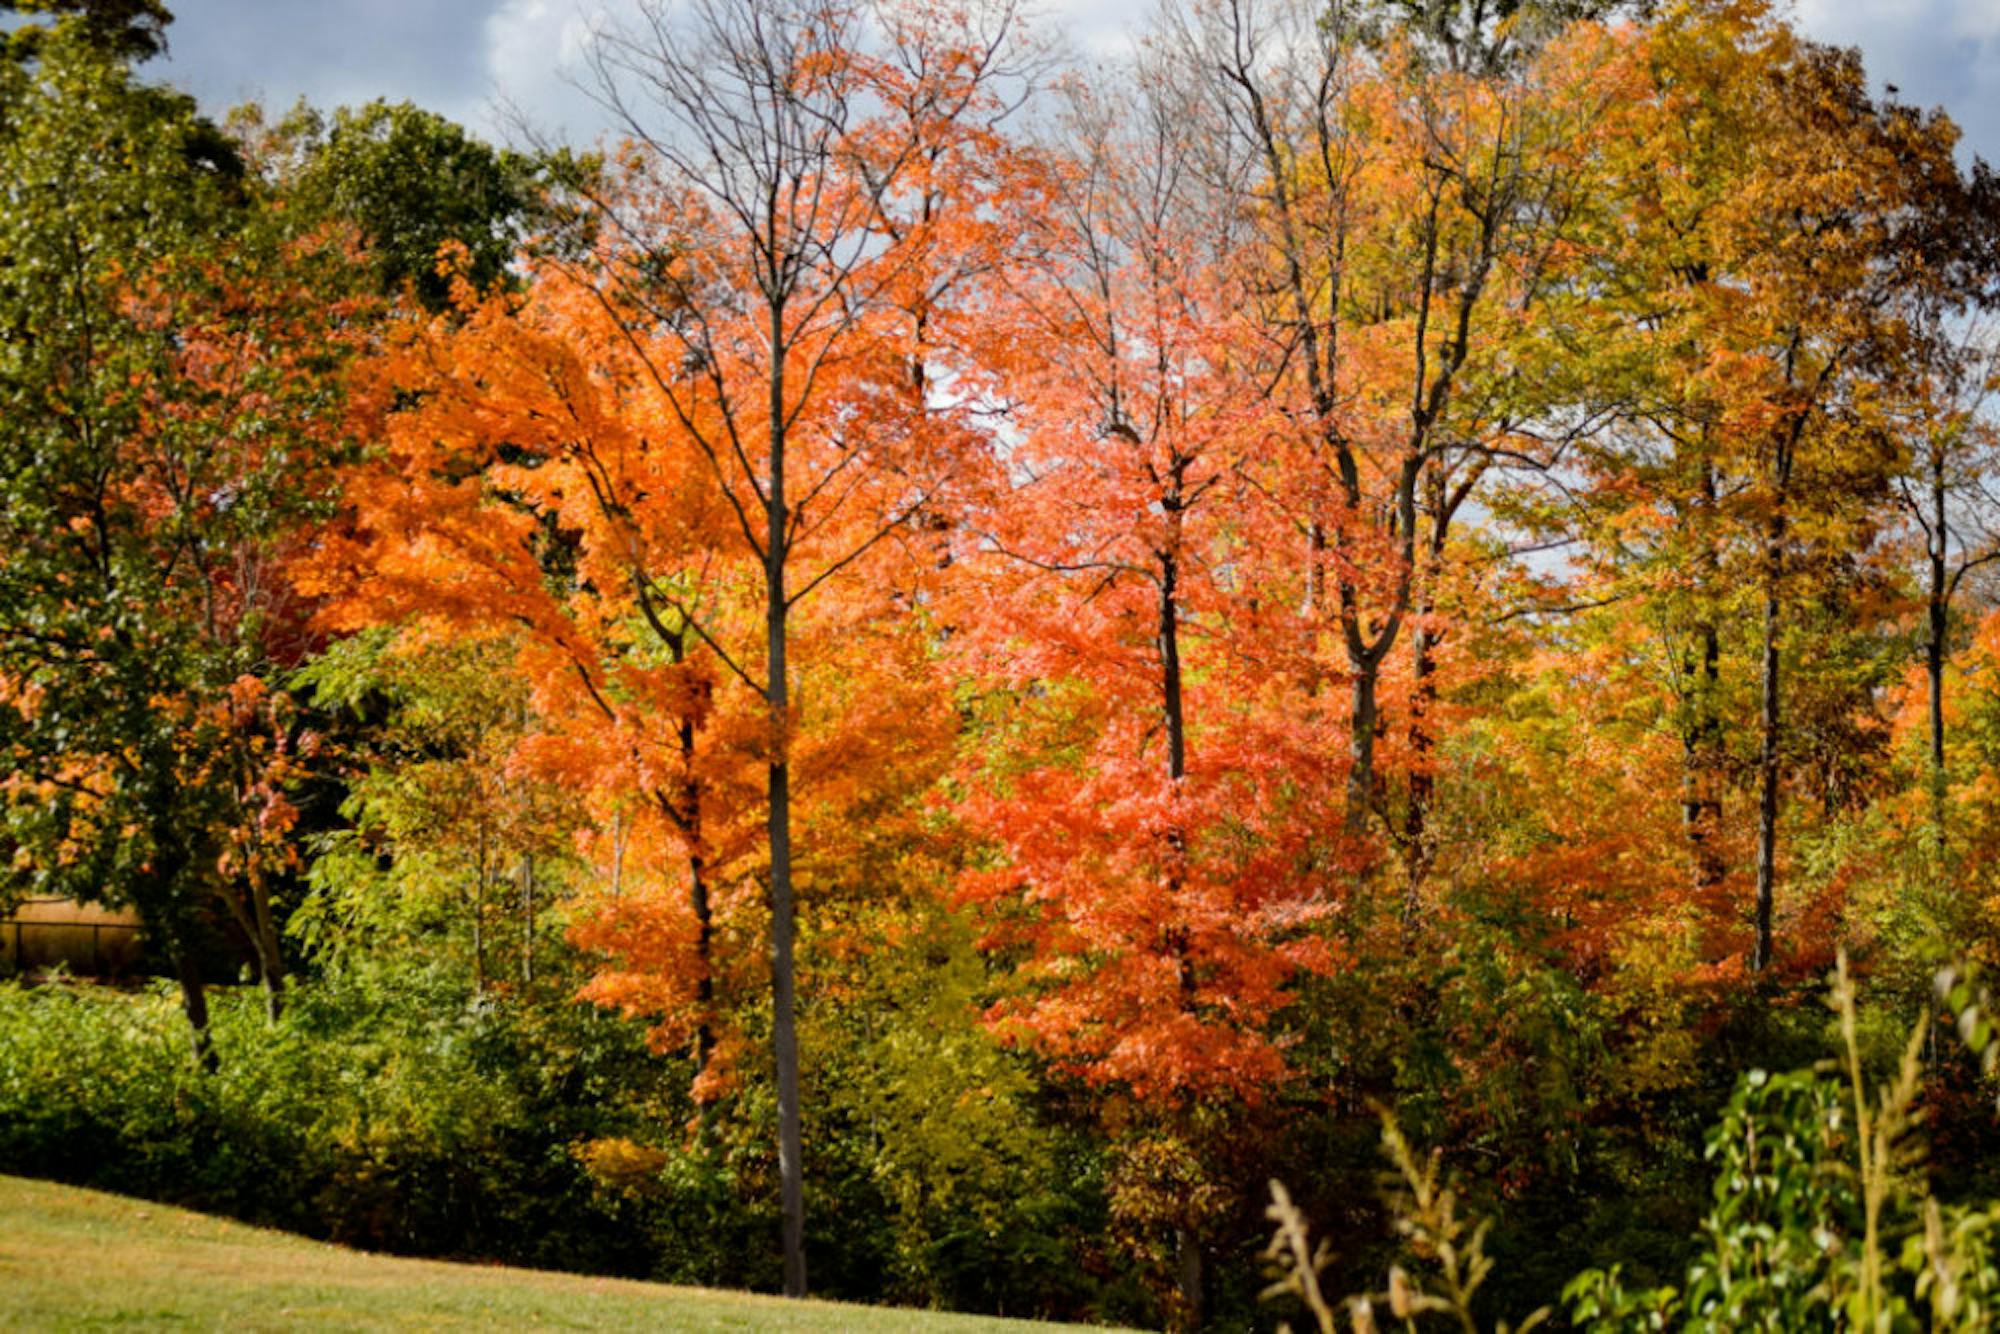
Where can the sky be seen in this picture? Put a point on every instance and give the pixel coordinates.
(472, 59)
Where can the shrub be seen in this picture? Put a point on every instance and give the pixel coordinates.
(1821, 1214)
(351, 1120)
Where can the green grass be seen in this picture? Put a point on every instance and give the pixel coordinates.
(80, 1259)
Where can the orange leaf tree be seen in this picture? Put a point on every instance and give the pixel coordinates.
(698, 446)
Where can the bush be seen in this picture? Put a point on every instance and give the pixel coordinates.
(387, 1112)
(420, 1127)
(1822, 1213)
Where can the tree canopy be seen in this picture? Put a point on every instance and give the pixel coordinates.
(957, 658)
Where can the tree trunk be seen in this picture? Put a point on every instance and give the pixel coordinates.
(1188, 1251)
(1701, 804)
(1170, 668)
(253, 919)
(479, 919)
(1934, 658)
(1769, 711)
(1934, 649)
(784, 1034)
(687, 818)
(1701, 741)
(527, 920)
(1767, 787)
(1315, 597)
(1423, 785)
(698, 901)
(270, 961)
(194, 1004)
(273, 980)
(1364, 718)
(1179, 939)
(784, 1031)
(704, 945)
(1440, 506)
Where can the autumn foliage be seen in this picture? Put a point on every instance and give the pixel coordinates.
(1367, 480)
(1014, 616)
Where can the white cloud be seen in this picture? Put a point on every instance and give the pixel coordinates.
(465, 57)
(1935, 52)
(535, 50)
(1098, 29)
(534, 55)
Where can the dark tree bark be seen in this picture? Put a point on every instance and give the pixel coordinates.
(1423, 782)
(1364, 719)
(1701, 803)
(270, 959)
(784, 907)
(1170, 667)
(1188, 1247)
(1770, 706)
(251, 911)
(1939, 609)
(479, 917)
(1769, 714)
(527, 884)
(698, 898)
(1701, 738)
(1187, 1242)
(1445, 492)
(194, 1004)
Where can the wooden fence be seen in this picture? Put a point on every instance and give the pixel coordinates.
(86, 938)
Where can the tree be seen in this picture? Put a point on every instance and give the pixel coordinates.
(1485, 35)
(714, 404)
(766, 253)
(411, 183)
(171, 406)
(1946, 497)
(128, 31)
(439, 808)
(1411, 217)
(517, 496)
(1157, 935)
(1767, 303)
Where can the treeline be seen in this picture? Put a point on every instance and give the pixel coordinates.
(1055, 633)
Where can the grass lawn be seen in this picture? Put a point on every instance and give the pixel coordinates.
(72, 1259)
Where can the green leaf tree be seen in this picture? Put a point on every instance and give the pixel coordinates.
(131, 30)
(410, 182)
(169, 396)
